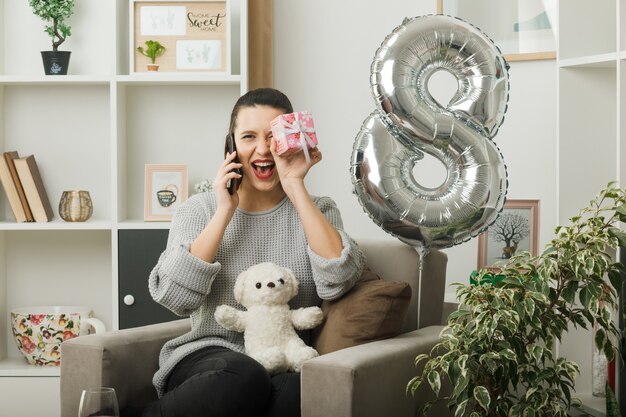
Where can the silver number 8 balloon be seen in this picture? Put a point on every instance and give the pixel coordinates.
(409, 122)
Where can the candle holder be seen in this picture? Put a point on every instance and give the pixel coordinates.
(75, 206)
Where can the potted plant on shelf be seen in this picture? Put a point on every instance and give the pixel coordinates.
(496, 353)
(153, 50)
(55, 12)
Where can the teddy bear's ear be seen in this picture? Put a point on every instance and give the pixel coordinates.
(294, 282)
(240, 285)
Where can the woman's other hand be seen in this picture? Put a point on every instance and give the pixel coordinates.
(292, 167)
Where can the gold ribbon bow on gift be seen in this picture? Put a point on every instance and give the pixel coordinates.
(297, 127)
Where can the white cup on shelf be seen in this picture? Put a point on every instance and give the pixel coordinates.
(40, 330)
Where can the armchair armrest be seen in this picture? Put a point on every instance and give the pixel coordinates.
(125, 360)
(369, 380)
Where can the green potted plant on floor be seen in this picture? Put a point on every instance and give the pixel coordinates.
(55, 13)
(153, 50)
(497, 350)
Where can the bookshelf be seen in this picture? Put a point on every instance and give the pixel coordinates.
(591, 102)
(94, 130)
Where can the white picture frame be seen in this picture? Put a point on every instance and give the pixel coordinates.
(523, 30)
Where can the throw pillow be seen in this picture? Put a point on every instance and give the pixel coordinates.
(374, 309)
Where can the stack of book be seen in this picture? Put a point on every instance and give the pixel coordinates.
(24, 188)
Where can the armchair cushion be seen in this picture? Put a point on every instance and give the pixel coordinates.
(374, 309)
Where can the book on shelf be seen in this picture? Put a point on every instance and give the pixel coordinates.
(13, 188)
(9, 157)
(34, 189)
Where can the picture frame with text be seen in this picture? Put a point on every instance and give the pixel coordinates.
(195, 34)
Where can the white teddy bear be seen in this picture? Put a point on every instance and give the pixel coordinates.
(268, 324)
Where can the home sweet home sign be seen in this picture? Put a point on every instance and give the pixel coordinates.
(195, 34)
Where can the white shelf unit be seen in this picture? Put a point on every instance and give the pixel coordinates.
(591, 138)
(93, 129)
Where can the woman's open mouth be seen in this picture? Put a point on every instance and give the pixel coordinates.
(263, 169)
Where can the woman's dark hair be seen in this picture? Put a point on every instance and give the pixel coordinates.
(258, 97)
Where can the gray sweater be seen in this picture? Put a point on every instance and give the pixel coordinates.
(189, 286)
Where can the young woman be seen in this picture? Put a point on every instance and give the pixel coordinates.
(216, 235)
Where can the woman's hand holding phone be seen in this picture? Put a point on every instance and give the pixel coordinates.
(228, 174)
(232, 183)
(205, 246)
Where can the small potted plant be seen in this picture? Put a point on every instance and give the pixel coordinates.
(153, 50)
(55, 12)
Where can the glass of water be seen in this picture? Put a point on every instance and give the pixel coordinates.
(100, 402)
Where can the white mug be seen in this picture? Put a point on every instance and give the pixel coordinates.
(40, 330)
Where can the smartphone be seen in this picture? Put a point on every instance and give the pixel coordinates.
(230, 148)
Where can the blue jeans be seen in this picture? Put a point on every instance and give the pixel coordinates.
(218, 382)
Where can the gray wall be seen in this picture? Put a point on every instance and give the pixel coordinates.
(323, 51)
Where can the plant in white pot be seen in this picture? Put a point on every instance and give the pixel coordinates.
(55, 13)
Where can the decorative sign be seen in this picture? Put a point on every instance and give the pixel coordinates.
(195, 34)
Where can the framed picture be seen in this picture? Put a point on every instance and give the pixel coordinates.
(522, 29)
(195, 34)
(165, 190)
(515, 230)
